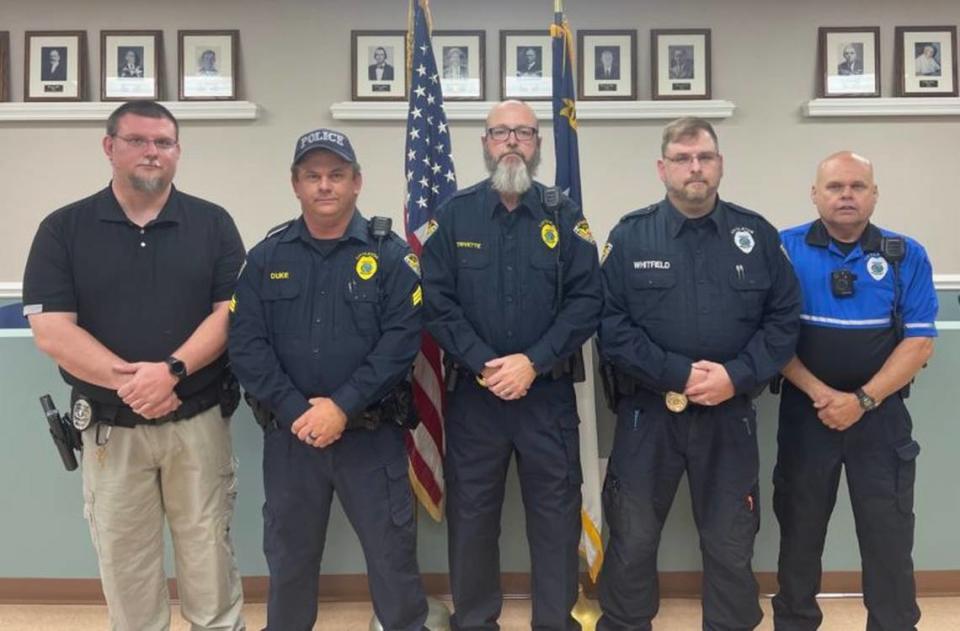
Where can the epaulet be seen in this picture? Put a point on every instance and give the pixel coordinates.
(641, 212)
(274, 231)
(742, 210)
(467, 191)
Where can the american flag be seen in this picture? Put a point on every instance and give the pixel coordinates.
(430, 180)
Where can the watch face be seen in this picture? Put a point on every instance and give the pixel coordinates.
(177, 367)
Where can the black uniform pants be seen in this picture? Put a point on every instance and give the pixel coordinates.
(717, 447)
(879, 455)
(483, 433)
(368, 472)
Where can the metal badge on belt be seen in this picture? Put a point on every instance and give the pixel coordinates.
(82, 414)
(675, 401)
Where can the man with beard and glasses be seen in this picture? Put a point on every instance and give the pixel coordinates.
(128, 291)
(512, 291)
(701, 310)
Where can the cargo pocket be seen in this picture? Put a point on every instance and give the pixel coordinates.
(90, 515)
(398, 488)
(906, 473)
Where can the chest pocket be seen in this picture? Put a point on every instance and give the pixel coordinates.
(280, 293)
(648, 291)
(473, 264)
(364, 306)
(751, 290)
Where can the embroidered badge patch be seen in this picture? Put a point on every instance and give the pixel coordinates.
(548, 232)
(413, 263)
(366, 265)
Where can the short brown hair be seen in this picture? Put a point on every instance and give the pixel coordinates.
(147, 109)
(686, 127)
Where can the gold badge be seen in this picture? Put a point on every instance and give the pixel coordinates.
(233, 303)
(366, 265)
(605, 252)
(548, 232)
(413, 263)
(582, 230)
(417, 296)
(675, 401)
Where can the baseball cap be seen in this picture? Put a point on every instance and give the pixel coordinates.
(327, 139)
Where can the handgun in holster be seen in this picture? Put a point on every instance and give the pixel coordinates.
(572, 365)
(451, 373)
(66, 437)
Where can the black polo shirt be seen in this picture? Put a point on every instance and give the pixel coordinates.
(141, 292)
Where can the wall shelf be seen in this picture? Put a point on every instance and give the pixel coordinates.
(898, 106)
(586, 110)
(100, 110)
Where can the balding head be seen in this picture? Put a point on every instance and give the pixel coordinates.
(845, 194)
(514, 110)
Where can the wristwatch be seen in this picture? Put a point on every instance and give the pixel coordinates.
(177, 368)
(867, 402)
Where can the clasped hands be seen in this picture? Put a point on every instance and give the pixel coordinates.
(147, 387)
(509, 377)
(322, 424)
(708, 384)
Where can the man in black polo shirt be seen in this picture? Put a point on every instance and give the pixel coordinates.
(127, 290)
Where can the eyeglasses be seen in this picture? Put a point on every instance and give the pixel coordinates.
(686, 159)
(522, 133)
(138, 142)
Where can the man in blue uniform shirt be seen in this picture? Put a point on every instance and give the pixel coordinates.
(869, 308)
(512, 290)
(325, 324)
(700, 311)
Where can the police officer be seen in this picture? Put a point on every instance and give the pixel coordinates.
(512, 290)
(127, 290)
(324, 326)
(869, 308)
(700, 312)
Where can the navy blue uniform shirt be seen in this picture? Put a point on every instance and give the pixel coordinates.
(315, 319)
(844, 341)
(678, 290)
(490, 279)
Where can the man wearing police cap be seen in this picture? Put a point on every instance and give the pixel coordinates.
(512, 290)
(128, 291)
(324, 326)
(700, 311)
(868, 323)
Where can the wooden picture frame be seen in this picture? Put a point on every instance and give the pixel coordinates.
(131, 65)
(4, 66)
(460, 57)
(379, 65)
(848, 61)
(925, 58)
(55, 65)
(607, 65)
(526, 65)
(207, 65)
(680, 64)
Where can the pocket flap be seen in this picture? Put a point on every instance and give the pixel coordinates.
(654, 280)
(909, 451)
(280, 289)
(750, 281)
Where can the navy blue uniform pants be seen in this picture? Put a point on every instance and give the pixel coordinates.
(879, 456)
(483, 433)
(717, 447)
(368, 472)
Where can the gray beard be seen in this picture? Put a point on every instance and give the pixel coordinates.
(153, 185)
(510, 178)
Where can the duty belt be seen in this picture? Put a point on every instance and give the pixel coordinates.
(124, 416)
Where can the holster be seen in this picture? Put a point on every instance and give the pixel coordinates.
(451, 373)
(396, 407)
(572, 365)
(229, 394)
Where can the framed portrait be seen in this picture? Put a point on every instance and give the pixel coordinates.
(460, 56)
(681, 63)
(379, 65)
(55, 65)
(848, 60)
(130, 66)
(4, 66)
(526, 65)
(607, 65)
(207, 66)
(926, 60)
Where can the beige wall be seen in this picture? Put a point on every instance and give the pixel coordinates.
(295, 64)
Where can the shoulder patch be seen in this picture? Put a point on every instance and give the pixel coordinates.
(278, 229)
(413, 262)
(426, 231)
(582, 230)
(605, 252)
